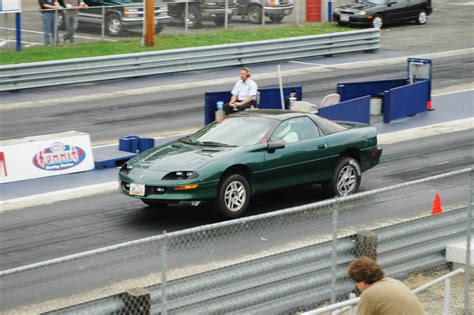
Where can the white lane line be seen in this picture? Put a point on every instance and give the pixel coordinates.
(75, 35)
(308, 63)
(426, 131)
(197, 84)
(85, 191)
(453, 92)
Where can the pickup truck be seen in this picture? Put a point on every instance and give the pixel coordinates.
(276, 10)
(118, 16)
(201, 10)
(377, 13)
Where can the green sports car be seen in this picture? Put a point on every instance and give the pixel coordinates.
(251, 152)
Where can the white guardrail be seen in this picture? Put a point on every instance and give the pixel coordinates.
(70, 71)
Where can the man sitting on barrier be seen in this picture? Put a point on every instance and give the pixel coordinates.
(244, 93)
(381, 295)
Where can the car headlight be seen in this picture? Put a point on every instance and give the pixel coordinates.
(180, 175)
(337, 10)
(361, 13)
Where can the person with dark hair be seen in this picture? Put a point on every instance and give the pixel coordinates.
(244, 93)
(381, 295)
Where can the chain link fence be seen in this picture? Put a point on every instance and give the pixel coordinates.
(104, 22)
(279, 262)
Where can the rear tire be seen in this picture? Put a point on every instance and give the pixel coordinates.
(113, 24)
(233, 196)
(346, 178)
(220, 20)
(194, 18)
(422, 18)
(254, 14)
(154, 204)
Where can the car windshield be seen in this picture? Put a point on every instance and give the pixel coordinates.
(372, 1)
(239, 131)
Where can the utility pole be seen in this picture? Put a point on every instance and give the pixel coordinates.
(149, 23)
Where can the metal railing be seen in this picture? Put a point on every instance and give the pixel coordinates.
(69, 71)
(350, 305)
(279, 262)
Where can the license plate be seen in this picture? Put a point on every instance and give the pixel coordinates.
(344, 18)
(137, 189)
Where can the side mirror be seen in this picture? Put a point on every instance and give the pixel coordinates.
(275, 145)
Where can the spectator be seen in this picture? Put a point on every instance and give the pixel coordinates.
(47, 9)
(244, 93)
(71, 14)
(381, 295)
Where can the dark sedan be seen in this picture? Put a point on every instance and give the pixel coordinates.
(377, 13)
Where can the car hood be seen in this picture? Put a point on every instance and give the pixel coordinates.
(356, 7)
(178, 156)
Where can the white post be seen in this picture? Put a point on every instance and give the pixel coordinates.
(447, 296)
(353, 308)
(297, 9)
(282, 97)
(263, 12)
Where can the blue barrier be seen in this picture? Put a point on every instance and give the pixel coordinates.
(135, 144)
(353, 90)
(357, 110)
(269, 99)
(405, 101)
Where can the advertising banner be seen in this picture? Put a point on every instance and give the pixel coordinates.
(10, 6)
(42, 156)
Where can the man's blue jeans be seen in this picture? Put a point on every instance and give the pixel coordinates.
(48, 27)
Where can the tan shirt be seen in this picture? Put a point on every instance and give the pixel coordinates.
(389, 297)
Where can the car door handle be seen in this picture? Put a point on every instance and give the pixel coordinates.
(322, 146)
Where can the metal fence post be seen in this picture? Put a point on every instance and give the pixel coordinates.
(102, 24)
(55, 32)
(335, 219)
(6, 30)
(186, 13)
(297, 8)
(164, 267)
(226, 16)
(467, 268)
(263, 12)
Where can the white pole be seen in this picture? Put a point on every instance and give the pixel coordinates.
(447, 296)
(226, 16)
(282, 97)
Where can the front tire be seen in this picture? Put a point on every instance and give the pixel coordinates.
(422, 18)
(234, 196)
(220, 20)
(377, 22)
(346, 178)
(277, 18)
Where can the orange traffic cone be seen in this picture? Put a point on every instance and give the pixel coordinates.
(429, 106)
(437, 208)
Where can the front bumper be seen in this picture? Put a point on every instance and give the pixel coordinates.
(282, 10)
(210, 12)
(161, 18)
(204, 191)
(354, 19)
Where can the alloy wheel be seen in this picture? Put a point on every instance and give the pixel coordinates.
(347, 180)
(235, 196)
(377, 22)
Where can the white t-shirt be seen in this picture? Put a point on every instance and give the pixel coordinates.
(243, 89)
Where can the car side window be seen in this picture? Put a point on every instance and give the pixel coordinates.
(295, 130)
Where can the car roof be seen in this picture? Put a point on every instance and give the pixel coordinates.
(277, 114)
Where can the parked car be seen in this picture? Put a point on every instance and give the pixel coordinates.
(378, 13)
(272, 149)
(118, 16)
(201, 10)
(276, 10)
